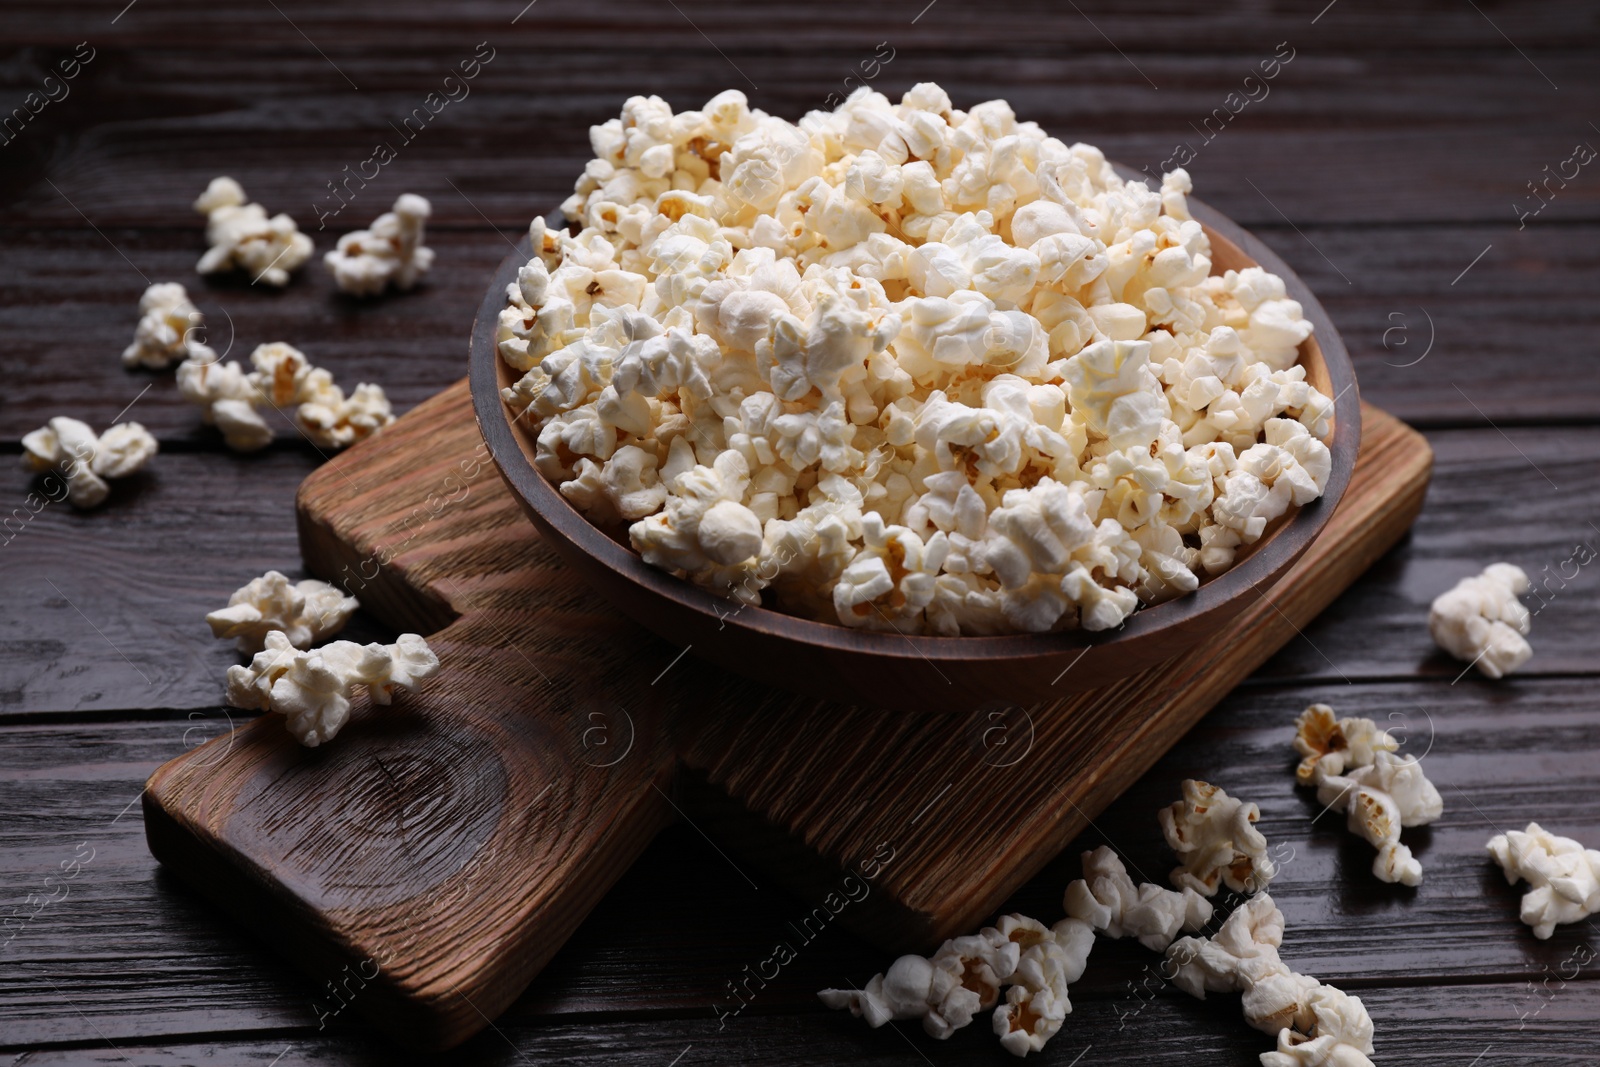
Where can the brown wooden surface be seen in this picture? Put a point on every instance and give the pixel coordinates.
(1395, 146)
(524, 829)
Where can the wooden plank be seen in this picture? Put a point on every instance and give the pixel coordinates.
(143, 590)
(1335, 138)
(131, 943)
(493, 737)
(71, 304)
(640, 26)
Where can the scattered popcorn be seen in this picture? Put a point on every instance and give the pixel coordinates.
(1352, 763)
(1311, 1020)
(1380, 798)
(976, 383)
(390, 252)
(1107, 899)
(84, 460)
(1480, 620)
(1216, 841)
(946, 992)
(305, 612)
(1563, 876)
(1242, 957)
(312, 689)
(165, 334)
(282, 378)
(241, 236)
(1036, 1003)
(1329, 745)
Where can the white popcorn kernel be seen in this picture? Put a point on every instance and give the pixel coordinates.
(283, 378)
(1309, 1019)
(1216, 841)
(1563, 877)
(1330, 745)
(1390, 793)
(1107, 899)
(389, 252)
(1480, 620)
(305, 612)
(85, 460)
(168, 331)
(1036, 1002)
(962, 978)
(243, 237)
(313, 689)
(1339, 1036)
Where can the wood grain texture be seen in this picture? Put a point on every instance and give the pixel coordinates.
(417, 523)
(144, 959)
(70, 302)
(1450, 1027)
(1397, 144)
(1334, 140)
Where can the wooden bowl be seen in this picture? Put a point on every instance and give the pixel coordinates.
(912, 672)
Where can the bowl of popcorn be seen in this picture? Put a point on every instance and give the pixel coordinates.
(906, 405)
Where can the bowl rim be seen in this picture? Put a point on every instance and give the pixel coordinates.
(1270, 557)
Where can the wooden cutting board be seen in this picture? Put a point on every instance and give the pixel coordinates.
(441, 850)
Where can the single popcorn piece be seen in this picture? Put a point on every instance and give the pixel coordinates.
(1354, 766)
(1563, 877)
(1109, 901)
(243, 237)
(1339, 1036)
(85, 460)
(168, 330)
(1216, 841)
(313, 689)
(946, 991)
(1036, 1002)
(1242, 957)
(1390, 793)
(1329, 745)
(305, 612)
(389, 252)
(1480, 620)
(1314, 1023)
(978, 383)
(283, 378)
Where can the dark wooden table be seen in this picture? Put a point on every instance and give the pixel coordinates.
(1389, 161)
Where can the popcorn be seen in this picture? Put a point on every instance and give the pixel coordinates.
(1016, 363)
(1216, 841)
(1480, 620)
(1107, 899)
(1563, 876)
(1242, 957)
(241, 236)
(304, 612)
(1340, 1035)
(84, 460)
(1382, 797)
(165, 334)
(1330, 745)
(313, 689)
(946, 992)
(282, 378)
(389, 252)
(1036, 1003)
(1352, 763)
(1314, 1023)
